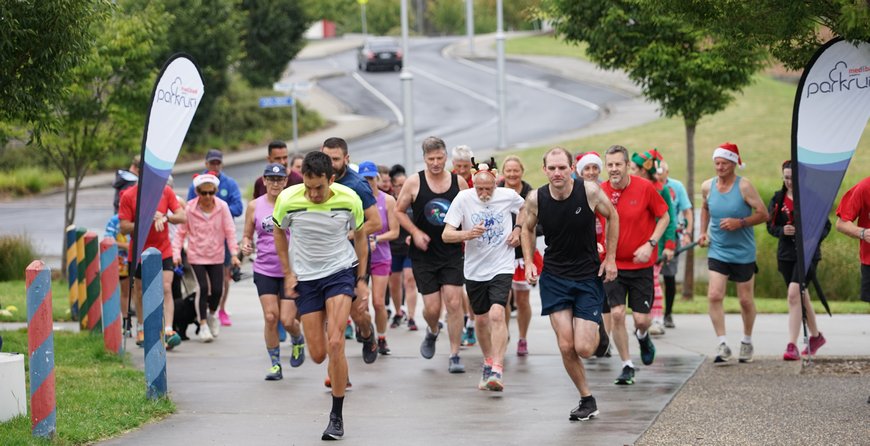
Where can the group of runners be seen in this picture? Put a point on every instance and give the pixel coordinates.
(328, 239)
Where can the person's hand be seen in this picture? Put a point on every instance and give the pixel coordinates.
(531, 273)
(514, 238)
(247, 247)
(703, 241)
(668, 254)
(608, 270)
(408, 240)
(686, 239)
(788, 229)
(176, 261)
(235, 261)
(475, 232)
(421, 241)
(730, 224)
(642, 254)
(159, 221)
(290, 282)
(373, 244)
(362, 295)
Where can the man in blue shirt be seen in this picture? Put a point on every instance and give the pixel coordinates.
(685, 230)
(336, 149)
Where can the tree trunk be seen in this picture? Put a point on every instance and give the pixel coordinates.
(689, 279)
(66, 223)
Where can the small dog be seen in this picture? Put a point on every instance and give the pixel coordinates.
(185, 314)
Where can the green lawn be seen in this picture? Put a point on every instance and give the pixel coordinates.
(698, 305)
(99, 395)
(13, 293)
(545, 45)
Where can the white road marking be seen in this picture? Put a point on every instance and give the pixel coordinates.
(393, 108)
(490, 102)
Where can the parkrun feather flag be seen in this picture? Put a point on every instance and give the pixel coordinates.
(174, 100)
(831, 110)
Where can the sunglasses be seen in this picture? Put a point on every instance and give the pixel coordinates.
(207, 192)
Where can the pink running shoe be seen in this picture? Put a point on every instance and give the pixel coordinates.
(816, 342)
(791, 353)
(224, 318)
(522, 348)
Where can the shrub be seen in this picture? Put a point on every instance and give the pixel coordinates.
(17, 252)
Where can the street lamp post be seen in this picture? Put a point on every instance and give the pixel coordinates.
(469, 24)
(407, 96)
(362, 13)
(500, 88)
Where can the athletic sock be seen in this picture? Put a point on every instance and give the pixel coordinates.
(628, 363)
(296, 339)
(337, 404)
(167, 329)
(382, 335)
(723, 340)
(469, 323)
(274, 355)
(747, 339)
(640, 335)
(497, 368)
(429, 330)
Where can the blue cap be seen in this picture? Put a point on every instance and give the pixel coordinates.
(275, 170)
(368, 169)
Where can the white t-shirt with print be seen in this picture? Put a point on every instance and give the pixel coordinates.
(489, 254)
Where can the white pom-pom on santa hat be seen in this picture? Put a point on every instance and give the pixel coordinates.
(729, 152)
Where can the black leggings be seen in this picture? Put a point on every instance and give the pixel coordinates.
(670, 293)
(211, 286)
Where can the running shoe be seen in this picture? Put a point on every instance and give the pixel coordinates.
(494, 382)
(348, 331)
(275, 373)
(656, 329)
(171, 339)
(470, 339)
(647, 350)
(205, 334)
(484, 376)
(522, 348)
(585, 410)
(140, 337)
(370, 348)
(297, 357)
(427, 348)
(791, 353)
(412, 326)
(382, 346)
(455, 366)
(745, 352)
(397, 320)
(669, 321)
(816, 342)
(723, 354)
(626, 378)
(282, 332)
(603, 342)
(213, 325)
(335, 428)
(328, 383)
(224, 318)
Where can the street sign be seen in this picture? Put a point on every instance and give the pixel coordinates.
(288, 87)
(276, 101)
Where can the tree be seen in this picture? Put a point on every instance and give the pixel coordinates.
(107, 98)
(273, 37)
(38, 54)
(789, 29)
(679, 66)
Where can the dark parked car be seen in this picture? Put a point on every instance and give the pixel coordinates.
(380, 53)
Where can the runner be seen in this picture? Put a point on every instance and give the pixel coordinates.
(324, 268)
(437, 265)
(113, 230)
(277, 153)
(645, 215)
(402, 282)
(571, 280)
(462, 163)
(485, 214)
(278, 310)
(727, 219)
(379, 247)
(685, 232)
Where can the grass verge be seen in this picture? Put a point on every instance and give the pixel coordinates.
(99, 395)
(13, 293)
(764, 305)
(545, 45)
(29, 180)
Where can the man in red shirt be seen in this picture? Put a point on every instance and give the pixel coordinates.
(158, 237)
(637, 201)
(855, 205)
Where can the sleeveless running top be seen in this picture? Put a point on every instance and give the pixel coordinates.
(569, 232)
(729, 246)
(429, 211)
(382, 250)
(267, 262)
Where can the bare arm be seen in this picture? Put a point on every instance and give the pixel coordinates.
(372, 220)
(126, 227)
(852, 230)
(281, 247)
(392, 222)
(528, 238)
(705, 213)
(248, 233)
(406, 197)
(453, 235)
(750, 194)
(602, 205)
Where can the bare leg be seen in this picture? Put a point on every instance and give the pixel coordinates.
(337, 310)
(498, 332)
(620, 334)
(563, 325)
(524, 312)
(271, 314)
(715, 296)
(410, 292)
(379, 295)
(483, 326)
(395, 285)
(168, 303)
(452, 296)
(746, 294)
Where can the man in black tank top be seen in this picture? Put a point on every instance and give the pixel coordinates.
(572, 292)
(437, 265)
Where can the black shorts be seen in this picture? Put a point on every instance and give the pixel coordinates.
(484, 295)
(637, 284)
(430, 275)
(736, 272)
(789, 271)
(583, 297)
(314, 293)
(269, 285)
(865, 283)
(167, 265)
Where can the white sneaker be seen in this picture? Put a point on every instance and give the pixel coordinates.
(205, 334)
(656, 329)
(723, 354)
(213, 324)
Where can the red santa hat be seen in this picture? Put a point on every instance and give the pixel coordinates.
(729, 152)
(584, 159)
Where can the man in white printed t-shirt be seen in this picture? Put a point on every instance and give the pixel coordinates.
(484, 213)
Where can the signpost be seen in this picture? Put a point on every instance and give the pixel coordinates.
(296, 90)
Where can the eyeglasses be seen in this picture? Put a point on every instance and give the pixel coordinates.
(207, 192)
(275, 180)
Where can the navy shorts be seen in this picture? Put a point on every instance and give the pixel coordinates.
(400, 262)
(313, 293)
(584, 297)
(269, 285)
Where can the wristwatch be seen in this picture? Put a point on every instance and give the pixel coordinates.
(653, 242)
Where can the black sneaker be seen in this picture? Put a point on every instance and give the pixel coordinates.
(397, 320)
(427, 348)
(382, 346)
(603, 342)
(626, 378)
(647, 350)
(370, 348)
(335, 428)
(585, 410)
(669, 321)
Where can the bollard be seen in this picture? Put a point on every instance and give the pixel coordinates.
(111, 295)
(43, 413)
(72, 274)
(93, 308)
(152, 303)
(82, 292)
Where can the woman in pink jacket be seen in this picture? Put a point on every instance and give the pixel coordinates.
(209, 223)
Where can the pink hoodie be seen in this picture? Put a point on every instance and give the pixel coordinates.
(206, 234)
